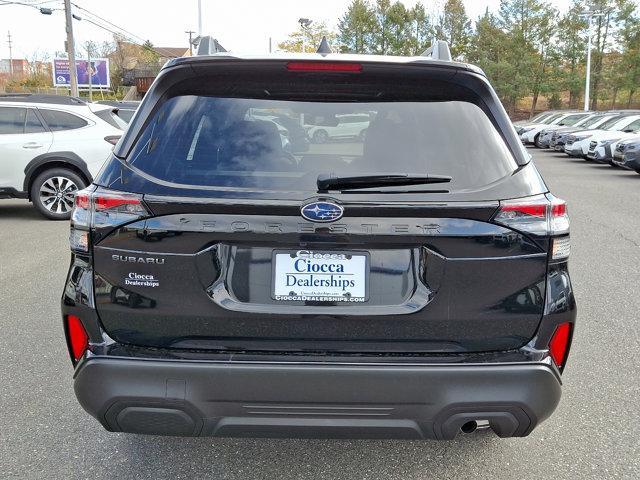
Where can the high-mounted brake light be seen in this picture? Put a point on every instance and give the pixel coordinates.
(559, 344)
(77, 337)
(324, 67)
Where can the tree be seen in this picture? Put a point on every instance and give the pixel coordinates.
(309, 38)
(629, 68)
(605, 29)
(355, 28)
(572, 46)
(454, 26)
(529, 27)
(421, 28)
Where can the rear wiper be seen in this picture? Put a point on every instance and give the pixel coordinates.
(328, 182)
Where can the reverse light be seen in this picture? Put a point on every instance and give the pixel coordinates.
(77, 337)
(559, 344)
(324, 67)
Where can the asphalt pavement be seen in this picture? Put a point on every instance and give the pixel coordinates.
(595, 433)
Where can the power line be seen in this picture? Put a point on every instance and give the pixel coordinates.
(130, 35)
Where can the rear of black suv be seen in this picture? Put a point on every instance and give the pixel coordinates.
(409, 280)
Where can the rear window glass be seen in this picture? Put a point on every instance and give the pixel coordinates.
(111, 118)
(57, 120)
(262, 144)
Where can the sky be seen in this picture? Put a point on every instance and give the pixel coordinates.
(242, 26)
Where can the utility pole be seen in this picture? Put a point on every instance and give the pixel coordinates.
(589, 14)
(89, 70)
(71, 50)
(10, 53)
(200, 18)
(190, 33)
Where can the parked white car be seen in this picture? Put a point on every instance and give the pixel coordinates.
(529, 134)
(51, 147)
(578, 143)
(601, 150)
(347, 126)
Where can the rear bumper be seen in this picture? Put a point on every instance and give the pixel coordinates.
(198, 398)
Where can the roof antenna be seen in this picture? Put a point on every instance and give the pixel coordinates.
(324, 47)
(209, 45)
(439, 50)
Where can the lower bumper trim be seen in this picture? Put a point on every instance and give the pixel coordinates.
(338, 401)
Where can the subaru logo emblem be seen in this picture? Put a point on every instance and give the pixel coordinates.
(322, 211)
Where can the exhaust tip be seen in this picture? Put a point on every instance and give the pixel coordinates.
(469, 427)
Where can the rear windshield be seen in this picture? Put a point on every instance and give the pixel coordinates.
(258, 144)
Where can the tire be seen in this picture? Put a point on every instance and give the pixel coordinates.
(536, 141)
(320, 136)
(53, 191)
(362, 135)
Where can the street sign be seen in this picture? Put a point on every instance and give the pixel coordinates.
(97, 70)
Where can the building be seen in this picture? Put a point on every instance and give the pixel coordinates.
(138, 65)
(20, 68)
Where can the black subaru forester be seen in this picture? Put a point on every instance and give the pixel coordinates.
(401, 274)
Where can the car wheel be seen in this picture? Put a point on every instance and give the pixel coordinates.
(53, 192)
(536, 141)
(362, 135)
(320, 136)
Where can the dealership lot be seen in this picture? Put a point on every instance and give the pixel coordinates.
(594, 434)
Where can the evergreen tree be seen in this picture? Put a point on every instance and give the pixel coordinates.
(572, 47)
(355, 28)
(454, 26)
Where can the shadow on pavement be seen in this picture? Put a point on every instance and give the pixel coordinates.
(24, 209)
(300, 458)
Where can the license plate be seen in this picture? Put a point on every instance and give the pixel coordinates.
(320, 276)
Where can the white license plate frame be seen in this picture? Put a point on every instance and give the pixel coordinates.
(356, 266)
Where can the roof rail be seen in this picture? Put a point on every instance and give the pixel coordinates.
(324, 48)
(209, 45)
(439, 50)
(41, 98)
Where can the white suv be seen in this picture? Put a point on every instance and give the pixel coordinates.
(50, 147)
(345, 126)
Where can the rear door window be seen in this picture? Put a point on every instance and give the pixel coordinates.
(12, 120)
(222, 142)
(58, 120)
(32, 123)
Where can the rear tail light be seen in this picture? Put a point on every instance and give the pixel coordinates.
(77, 337)
(544, 215)
(559, 344)
(324, 67)
(102, 208)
